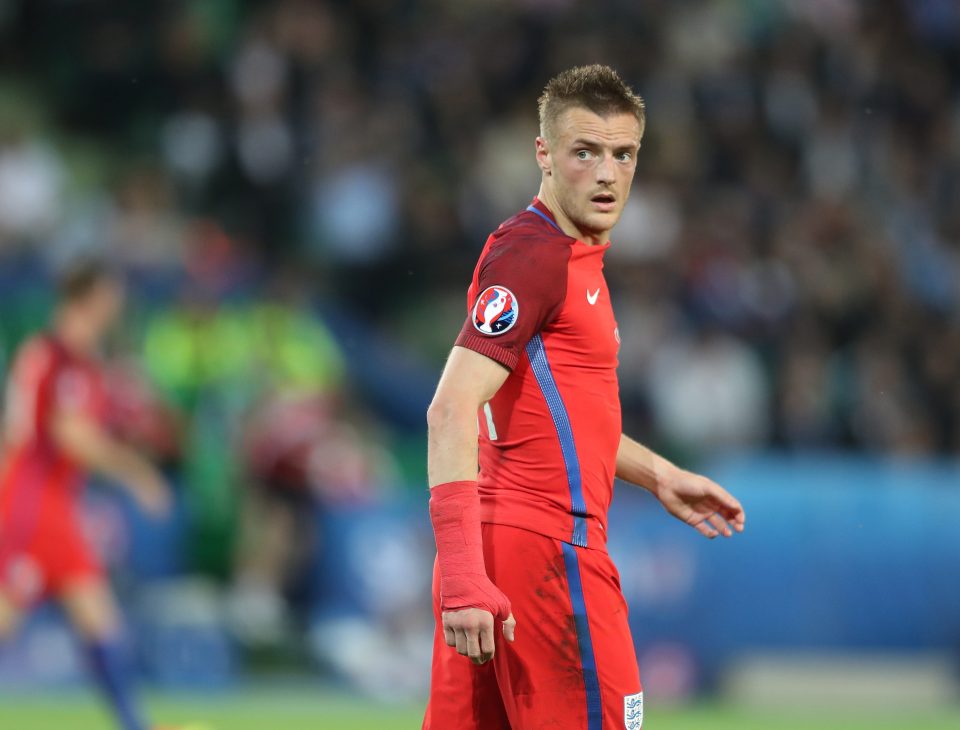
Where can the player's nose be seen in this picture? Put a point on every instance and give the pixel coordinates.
(605, 170)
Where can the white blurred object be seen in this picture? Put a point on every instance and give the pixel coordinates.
(192, 144)
(389, 666)
(265, 147)
(710, 393)
(649, 226)
(31, 189)
(256, 614)
(356, 211)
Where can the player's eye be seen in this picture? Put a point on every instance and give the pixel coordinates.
(624, 157)
(583, 154)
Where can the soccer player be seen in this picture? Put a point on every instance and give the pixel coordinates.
(535, 364)
(52, 435)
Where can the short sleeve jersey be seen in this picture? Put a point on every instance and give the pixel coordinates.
(539, 305)
(45, 379)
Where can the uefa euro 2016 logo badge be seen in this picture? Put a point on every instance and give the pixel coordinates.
(496, 310)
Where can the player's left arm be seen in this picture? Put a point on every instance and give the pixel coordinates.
(691, 498)
(90, 445)
(74, 427)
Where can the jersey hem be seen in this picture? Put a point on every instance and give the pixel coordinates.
(493, 514)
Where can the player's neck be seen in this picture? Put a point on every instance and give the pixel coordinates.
(592, 238)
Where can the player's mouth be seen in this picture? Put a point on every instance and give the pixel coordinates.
(605, 202)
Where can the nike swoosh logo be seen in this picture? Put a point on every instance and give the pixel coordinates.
(592, 298)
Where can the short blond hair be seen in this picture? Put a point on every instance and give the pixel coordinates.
(597, 88)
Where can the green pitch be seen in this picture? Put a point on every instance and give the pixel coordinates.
(301, 710)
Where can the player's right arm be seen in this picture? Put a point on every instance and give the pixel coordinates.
(519, 287)
(85, 441)
(469, 380)
(469, 600)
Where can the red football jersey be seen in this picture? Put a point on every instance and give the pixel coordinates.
(45, 378)
(539, 305)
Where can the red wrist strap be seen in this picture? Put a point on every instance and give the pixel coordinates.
(455, 514)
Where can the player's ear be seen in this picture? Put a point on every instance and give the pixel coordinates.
(543, 155)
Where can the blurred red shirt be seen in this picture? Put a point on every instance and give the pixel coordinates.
(45, 378)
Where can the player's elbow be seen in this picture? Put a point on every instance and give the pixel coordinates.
(445, 411)
(437, 412)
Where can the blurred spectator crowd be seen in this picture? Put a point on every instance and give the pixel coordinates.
(787, 271)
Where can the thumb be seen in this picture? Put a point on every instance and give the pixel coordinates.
(509, 625)
(504, 609)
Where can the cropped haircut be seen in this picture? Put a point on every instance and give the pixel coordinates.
(596, 88)
(81, 278)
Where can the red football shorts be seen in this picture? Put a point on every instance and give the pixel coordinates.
(43, 553)
(572, 665)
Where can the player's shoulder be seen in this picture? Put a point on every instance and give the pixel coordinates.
(38, 352)
(530, 225)
(526, 239)
(43, 358)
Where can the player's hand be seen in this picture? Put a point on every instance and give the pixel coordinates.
(153, 494)
(701, 503)
(470, 630)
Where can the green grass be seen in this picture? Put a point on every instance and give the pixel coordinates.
(302, 710)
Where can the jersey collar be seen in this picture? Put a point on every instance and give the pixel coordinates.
(544, 212)
(538, 208)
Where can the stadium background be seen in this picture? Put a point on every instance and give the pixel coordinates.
(298, 190)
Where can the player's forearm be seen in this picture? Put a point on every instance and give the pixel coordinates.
(639, 465)
(451, 443)
(98, 451)
(455, 510)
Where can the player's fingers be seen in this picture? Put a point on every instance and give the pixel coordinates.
(738, 519)
(704, 528)
(473, 645)
(720, 524)
(461, 641)
(729, 506)
(487, 648)
(509, 627)
(449, 636)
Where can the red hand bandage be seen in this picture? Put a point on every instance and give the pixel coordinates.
(455, 513)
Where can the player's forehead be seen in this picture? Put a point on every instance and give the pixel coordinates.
(108, 290)
(617, 129)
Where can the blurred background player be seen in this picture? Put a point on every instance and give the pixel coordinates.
(537, 361)
(53, 434)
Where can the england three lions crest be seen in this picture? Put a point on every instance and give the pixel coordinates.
(496, 310)
(633, 711)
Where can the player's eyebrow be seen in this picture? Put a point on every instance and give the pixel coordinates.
(581, 142)
(594, 144)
